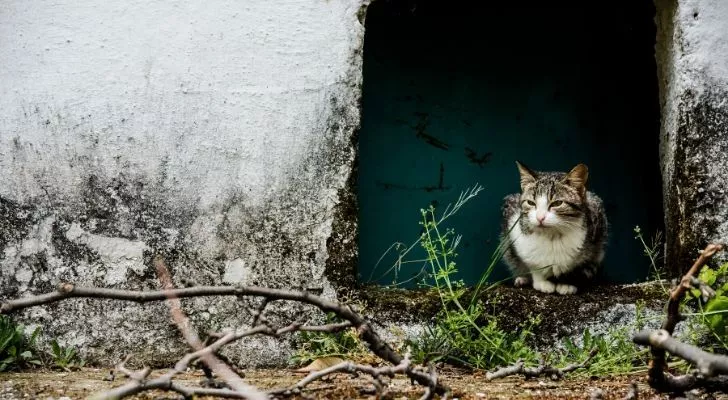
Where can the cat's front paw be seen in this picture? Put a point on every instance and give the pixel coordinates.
(562, 288)
(522, 281)
(544, 286)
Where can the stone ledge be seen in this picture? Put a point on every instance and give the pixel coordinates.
(599, 308)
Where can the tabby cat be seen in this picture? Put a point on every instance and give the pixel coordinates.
(555, 230)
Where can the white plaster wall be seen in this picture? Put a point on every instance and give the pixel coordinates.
(216, 132)
(220, 94)
(692, 56)
(704, 51)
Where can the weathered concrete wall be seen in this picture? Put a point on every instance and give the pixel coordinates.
(692, 55)
(220, 134)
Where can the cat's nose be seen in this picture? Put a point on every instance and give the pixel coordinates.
(541, 218)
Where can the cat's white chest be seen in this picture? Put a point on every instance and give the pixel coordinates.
(548, 255)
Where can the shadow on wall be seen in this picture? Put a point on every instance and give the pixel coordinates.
(455, 92)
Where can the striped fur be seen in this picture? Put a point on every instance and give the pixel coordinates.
(556, 230)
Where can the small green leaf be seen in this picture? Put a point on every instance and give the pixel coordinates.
(717, 321)
(708, 276)
(723, 269)
(34, 336)
(26, 354)
(6, 342)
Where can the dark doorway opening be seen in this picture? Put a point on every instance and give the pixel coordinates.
(456, 91)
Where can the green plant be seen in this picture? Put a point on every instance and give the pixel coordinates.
(65, 358)
(16, 350)
(652, 251)
(712, 311)
(616, 353)
(403, 249)
(464, 332)
(315, 345)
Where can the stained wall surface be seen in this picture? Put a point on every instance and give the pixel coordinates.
(692, 54)
(218, 134)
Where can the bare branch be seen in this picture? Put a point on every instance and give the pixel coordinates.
(326, 328)
(658, 378)
(514, 369)
(543, 369)
(258, 313)
(708, 364)
(165, 382)
(207, 355)
(673, 305)
(132, 388)
(351, 368)
(378, 346)
(430, 390)
(133, 375)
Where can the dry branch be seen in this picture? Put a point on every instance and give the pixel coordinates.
(351, 368)
(543, 369)
(661, 340)
(223, 370)
(368, 335)
(708, 364)
(206, 351)
(677, 293)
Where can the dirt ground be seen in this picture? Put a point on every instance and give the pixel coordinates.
(465, 385)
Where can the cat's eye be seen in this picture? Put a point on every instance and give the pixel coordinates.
(556, 203)
(531, 203)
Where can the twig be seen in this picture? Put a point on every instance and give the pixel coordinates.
(258, 313)
(208, 357)
(657, 376)
(378, 346)
(708, 364)
(351, 368)
(514, 369)
(132, 388)
(430, 390)
(543, 369)
(677, 293)
(165, 382)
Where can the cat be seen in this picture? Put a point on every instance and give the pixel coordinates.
(555, 230)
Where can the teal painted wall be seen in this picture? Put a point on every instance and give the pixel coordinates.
(454, 93)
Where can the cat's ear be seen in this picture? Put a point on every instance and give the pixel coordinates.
(527, 176)
(577, 178)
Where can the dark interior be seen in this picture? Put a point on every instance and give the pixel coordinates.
(454, 92)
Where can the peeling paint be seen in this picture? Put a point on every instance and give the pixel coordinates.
(225, 146)
(235, 272)
(118, 254)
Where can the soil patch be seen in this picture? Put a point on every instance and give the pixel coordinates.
(466, 385)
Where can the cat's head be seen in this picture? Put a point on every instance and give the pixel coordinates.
(553, 200)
